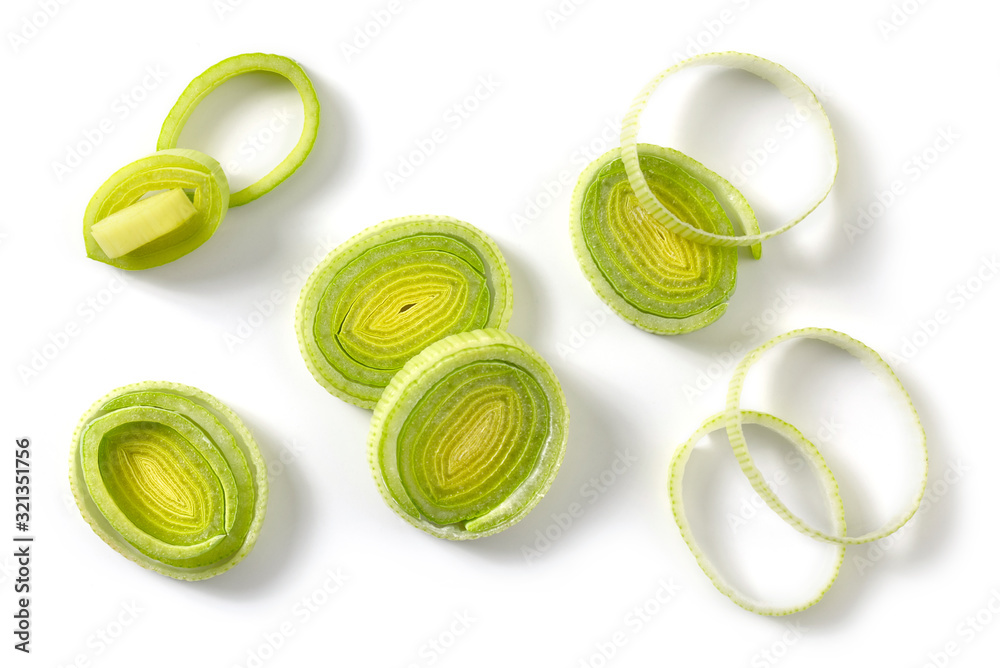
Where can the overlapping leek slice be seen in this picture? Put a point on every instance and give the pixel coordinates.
(170, 478)
(653, 278)
(790, 85)
(218, 74)
(651, 225)
(733, 419)
(117, 229)
(469, 435)
(392, 290)
(128, 225)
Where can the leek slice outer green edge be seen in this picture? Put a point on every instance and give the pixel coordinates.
(164, 170)
(835, 506)
(651, 277)
(874, 363)
(185, 442)
(496, 442)
(387, 293)
(215, 76)
(788, 83)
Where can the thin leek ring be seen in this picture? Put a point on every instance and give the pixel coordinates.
(737, 439)
(789, 84)
(221, 72)
(437, 255)
(173, 168)
(448, 375)
(678, 463)
(145, 432)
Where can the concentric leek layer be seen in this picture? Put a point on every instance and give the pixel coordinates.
(733, 419)
(650, 276)
(469, 435)
(389, 292)
(169, 477)
(789, 84)
(200, 176)
(218, 74)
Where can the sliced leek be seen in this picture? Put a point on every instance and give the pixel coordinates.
(651, 277)
(733, 419)
(469, 435)
(874, 363)
(392, 290)
(835, 507)
(170, 478)
(221, 72)
(117, 228)
(789, 84)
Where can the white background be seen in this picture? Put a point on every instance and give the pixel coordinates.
(562, 80)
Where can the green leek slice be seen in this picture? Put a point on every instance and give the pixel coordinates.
(651, 277)
(170, 478)
(789, 84)
(145, 221)
(122, 195)
(835, 506)
(389, 292)
(221, 72)
(874, 363)
(469, 435)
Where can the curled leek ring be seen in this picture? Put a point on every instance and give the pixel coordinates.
(124, 230)
(789, 84)
(835, 506)
(392, 290)
(653, 278)
(170, 478)
(469, 435)
(874, 363)
(221, 72)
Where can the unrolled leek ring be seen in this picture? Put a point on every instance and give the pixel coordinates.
(389, 292)
(835, 507)
(170, 478)
(469, 435)
(874, 363)
(789, 84)
(653, 278)
(199, 175)
(218, 74)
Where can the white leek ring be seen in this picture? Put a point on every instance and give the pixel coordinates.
(789, 84)
(734, 428)
(835, 506)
